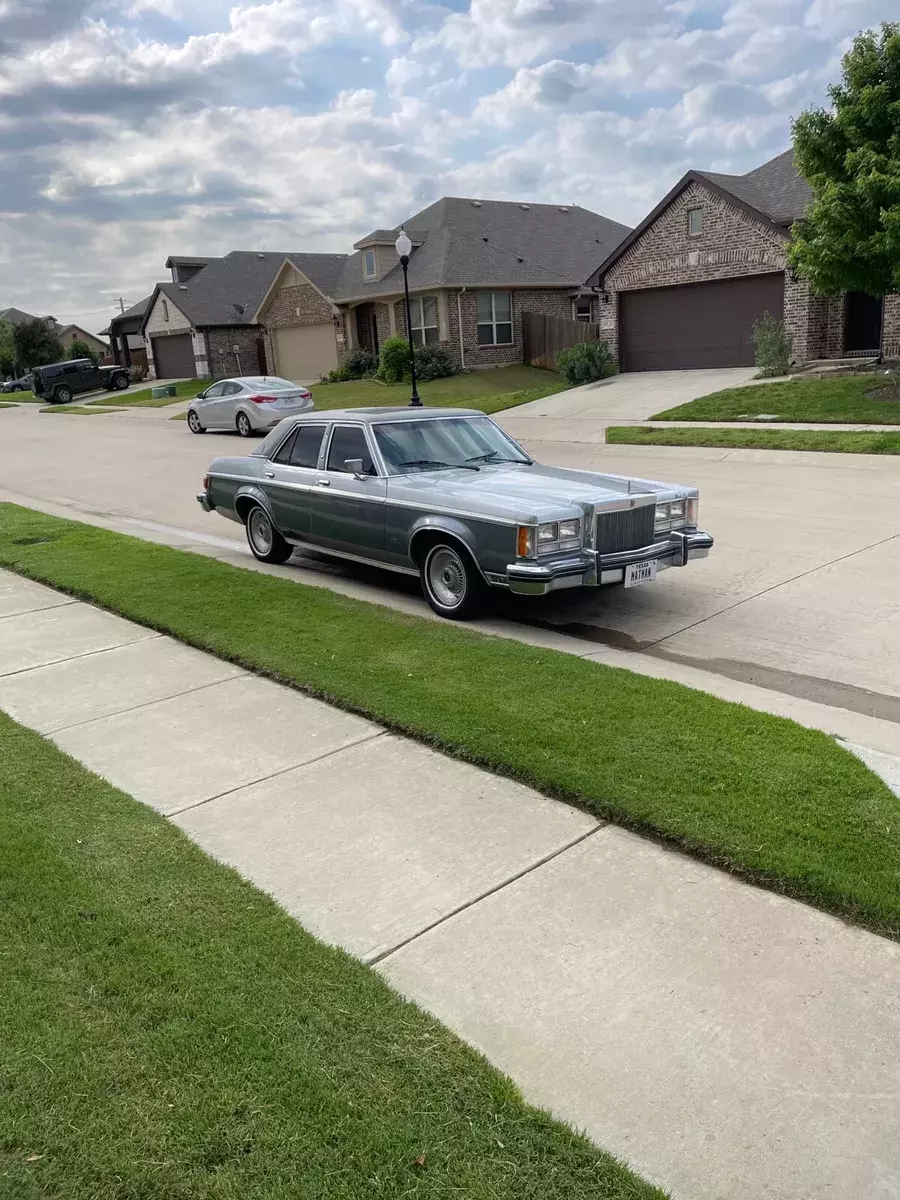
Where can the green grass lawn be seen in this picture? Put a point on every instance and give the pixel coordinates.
(5, 404)
(75, 410)
(783, 805)
(830, 440)
(168, 1033)
(22, 398)
(489, 391)
(186, 390)
(830, 401)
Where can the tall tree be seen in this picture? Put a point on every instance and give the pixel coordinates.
(37, 343)
(7, 350)
(849, 240)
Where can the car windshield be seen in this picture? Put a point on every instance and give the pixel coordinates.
(431, 445)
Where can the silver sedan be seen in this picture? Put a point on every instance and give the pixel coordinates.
(251, 404)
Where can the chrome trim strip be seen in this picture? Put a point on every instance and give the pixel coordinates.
(357, 558)
(451, 512)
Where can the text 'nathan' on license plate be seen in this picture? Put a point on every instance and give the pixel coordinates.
(644, 572)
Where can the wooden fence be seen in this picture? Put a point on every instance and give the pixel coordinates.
(543, 337)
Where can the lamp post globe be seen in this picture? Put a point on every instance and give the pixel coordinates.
(403, 246)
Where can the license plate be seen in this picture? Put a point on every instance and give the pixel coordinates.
(636, 573)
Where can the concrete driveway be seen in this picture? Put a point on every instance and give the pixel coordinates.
(797, 598)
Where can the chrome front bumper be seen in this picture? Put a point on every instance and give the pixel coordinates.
(592, 569)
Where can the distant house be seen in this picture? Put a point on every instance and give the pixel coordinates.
(125, 338)
(15, 316)
(476, 267)
(69, 333)
(685, 287)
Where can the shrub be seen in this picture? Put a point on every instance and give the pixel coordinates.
(586, 361)
(357, 364)
(338, 375)
(138, 372)
(393, 362)
(434, 362)
(772, 346)
(79, 348)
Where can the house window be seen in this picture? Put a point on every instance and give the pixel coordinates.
(370, 269)
(494, 312)
(695, 221)
(165, 310)
(424, 320)
(581, 308)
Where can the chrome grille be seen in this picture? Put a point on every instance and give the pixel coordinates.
(625, 530)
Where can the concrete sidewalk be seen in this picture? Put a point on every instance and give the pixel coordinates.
(723, 1040)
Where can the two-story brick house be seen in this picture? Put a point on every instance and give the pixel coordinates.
(684, 288)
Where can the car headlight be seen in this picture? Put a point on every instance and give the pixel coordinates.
(661, 521)
(671, 515)
(547, 535)
(548, 538)
(570, 531)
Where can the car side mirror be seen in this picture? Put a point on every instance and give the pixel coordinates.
(355, 467)
(200, 396)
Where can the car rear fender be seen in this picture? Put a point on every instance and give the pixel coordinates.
(453, 530)
(246, 496)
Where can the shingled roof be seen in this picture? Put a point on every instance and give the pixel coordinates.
(463, 242)
(775, 193)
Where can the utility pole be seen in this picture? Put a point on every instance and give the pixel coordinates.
(121, 303)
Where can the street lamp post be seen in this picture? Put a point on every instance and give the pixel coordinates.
(403, 246)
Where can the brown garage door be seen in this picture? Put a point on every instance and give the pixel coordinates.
(174, 357)
(697, 325)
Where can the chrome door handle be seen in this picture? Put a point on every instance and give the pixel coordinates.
(323, 483)
(269, 474)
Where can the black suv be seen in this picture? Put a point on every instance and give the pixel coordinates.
(59, 382)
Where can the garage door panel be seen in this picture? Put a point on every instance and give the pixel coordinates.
(173, 357)
(696, 325)
(305, 352)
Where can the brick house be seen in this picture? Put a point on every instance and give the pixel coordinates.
(684, 288)
(475, 268)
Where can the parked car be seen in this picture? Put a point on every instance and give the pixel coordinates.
(23, 384)
(446, 495)
(251, 404)
(59, 382)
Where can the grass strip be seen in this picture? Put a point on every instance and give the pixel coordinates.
(169, 1033)
(6, 404)
(783, 805)
(841, 401)
(27, 397)
(143, 398)
(75, 410)
(829, 441)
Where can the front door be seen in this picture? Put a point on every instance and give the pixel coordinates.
(347, 513)
(863, 329)
(287, 479)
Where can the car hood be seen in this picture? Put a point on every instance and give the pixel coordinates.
(528, 493)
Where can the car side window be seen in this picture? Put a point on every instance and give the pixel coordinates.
(70, 369)
(307, 444)
(231, 389)
(214, 391)
(86, 367)
(284, 450)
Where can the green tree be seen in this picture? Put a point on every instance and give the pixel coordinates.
(849, 239)
(81, 349)
(7, 350)
(36, 343)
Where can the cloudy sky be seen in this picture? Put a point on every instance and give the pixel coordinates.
(135, 129)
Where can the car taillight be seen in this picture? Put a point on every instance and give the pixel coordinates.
(304, 395)
(206, 483)
(262, 399)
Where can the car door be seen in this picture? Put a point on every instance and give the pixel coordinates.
(208, 407)
(288, 477)
(231, 393)
(87, 379)
(347, 513)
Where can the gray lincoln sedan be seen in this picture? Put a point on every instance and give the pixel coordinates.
(446, 495)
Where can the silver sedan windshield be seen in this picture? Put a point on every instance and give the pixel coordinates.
(431, 445)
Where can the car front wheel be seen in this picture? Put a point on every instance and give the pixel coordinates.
(451, 582)
(266, 542)
(193, 422)
(121, 382)
(62, 395)
(244, 428)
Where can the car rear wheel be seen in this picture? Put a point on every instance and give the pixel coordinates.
(244, 428)
(62, 395)
(266, 542)
(193, 422)
(121, 381)
(451, 582)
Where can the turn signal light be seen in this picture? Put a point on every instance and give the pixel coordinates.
(206, 483)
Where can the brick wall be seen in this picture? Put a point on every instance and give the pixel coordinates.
(298, 304)
(834, 338)
(890, 335)
(223, 362)
(552, 302)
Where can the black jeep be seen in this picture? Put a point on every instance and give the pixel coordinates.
(59, 382)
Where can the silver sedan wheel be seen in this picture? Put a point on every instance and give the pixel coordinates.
(445, 575)
(244, 428)
(259, 531)
(194, 422)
